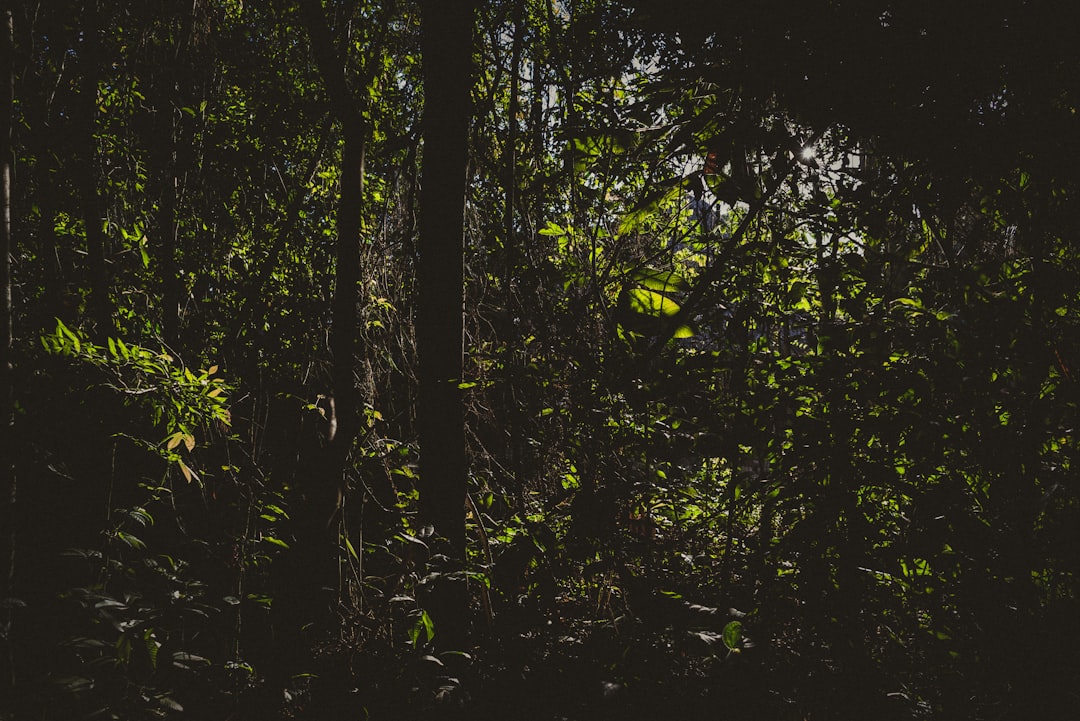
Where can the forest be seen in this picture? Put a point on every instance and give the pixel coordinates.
(554, 360)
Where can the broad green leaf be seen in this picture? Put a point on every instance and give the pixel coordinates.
(552, 228)
(650, 302)
(664, 281)
(733, 635)
(130, 540)
(424, 625)
(429, 625)
(910, 302)
(152, 646)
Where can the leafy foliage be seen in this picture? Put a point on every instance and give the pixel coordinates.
(771, 326)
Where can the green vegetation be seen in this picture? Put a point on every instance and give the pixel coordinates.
(762, 403)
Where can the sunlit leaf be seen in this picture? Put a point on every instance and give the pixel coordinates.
(733, 635)
(648, 302)
(189, 474)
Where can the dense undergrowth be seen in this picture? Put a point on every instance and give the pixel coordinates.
(768, 383)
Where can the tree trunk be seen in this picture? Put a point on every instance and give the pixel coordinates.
(308, 573)
(308, 569)
(7, 417)
(92, 207)
(447, 56)
(167, 236)
(317, 531)
(512, 134)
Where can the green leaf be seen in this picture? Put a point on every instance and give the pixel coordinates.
(170, 704)
(410, 539)
(552, 228)
(130, 540)
(429, 625)
(152, 646)
(910, 303)
(733, 635)
(63, 330)
(650, 302)
(424, 625)
(664, 281)
(141, 516)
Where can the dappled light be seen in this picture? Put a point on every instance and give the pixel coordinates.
(541, 360)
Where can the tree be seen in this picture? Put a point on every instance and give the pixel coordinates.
(309, 568)
(93, 205)
(7, 348)
(447, 57)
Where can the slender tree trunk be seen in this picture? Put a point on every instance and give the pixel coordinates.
(50, 251)
(309, 567)
(447, 56)
(167, 236)
(172, 164)
(326, 489)
(345, 331)
(533, 214)
(92, 206)
(514, 258)
(7, 416)
(512, 132)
